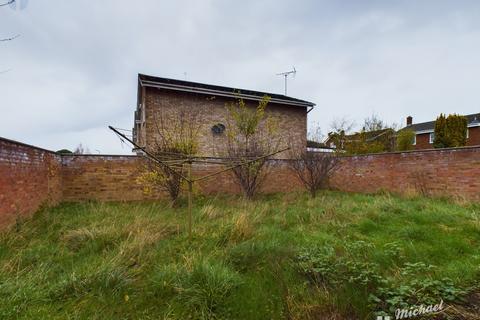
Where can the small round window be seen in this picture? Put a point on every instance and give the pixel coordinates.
(218, 128)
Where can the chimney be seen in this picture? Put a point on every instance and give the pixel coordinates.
(409, 120)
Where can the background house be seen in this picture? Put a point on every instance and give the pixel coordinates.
(382, 140)
(424, 132)
(158, 98)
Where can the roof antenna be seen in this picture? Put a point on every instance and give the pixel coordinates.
(286, 74)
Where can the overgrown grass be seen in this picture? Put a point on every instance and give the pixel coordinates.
(339, 256)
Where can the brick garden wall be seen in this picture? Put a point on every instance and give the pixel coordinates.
(447, 172)
(30, 176)
(107, 178)
(104, 178)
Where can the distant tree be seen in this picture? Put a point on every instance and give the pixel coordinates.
(251, 134)
(315, 134)
(450, 131)
(80, 149)
(405, 140)
(376, 136)
(374, 123)
(363, 142)
(340, 128)
(440, 132)
(64, 151)
(457, 127)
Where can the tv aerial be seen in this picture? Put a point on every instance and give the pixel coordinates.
(285, 76)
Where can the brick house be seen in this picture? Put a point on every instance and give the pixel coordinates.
(161, 95)
(425, 132)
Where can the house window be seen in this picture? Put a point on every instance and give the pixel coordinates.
(414, 140)
(468, 130)
(218, 129)
(432, 137)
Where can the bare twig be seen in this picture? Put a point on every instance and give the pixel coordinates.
(7, 3)
(10, 39)
(313, 169)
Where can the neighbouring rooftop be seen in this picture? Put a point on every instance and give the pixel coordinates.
(473, 120)
(216, 90)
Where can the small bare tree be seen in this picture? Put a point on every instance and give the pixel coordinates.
(80, 149)
(313, 168)
(250, 134)
(176, 140)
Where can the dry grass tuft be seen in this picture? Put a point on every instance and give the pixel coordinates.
(143, 234)
(210, 211)
(78, 238)
(241, 227)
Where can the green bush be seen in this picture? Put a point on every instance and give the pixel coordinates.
(441, 137)
(450, 131)
(344, 269)
(457, 130)
(405, 140)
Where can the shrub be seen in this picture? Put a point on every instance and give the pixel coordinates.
(251, 134)
(347, 272)
(457, 130)
(450, 131)
(405, 140)
(176, 139)
(441, 138)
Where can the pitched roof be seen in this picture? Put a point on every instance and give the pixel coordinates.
(209, 89)
(472, 121)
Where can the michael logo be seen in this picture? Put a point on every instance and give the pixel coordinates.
(414, 311)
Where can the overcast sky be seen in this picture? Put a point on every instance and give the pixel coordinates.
(73, 70)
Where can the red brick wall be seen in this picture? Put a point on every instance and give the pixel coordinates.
(97, 177)
(442, 172)
(448, 172)
(105, 178)
(29, 178)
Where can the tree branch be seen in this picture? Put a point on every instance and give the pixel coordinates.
(7, 3)
(10, 39)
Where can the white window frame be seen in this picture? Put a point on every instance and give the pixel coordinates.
(468, 130)
(431, 137)
(414, 143)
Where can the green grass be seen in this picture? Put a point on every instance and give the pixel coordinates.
(339, 256)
